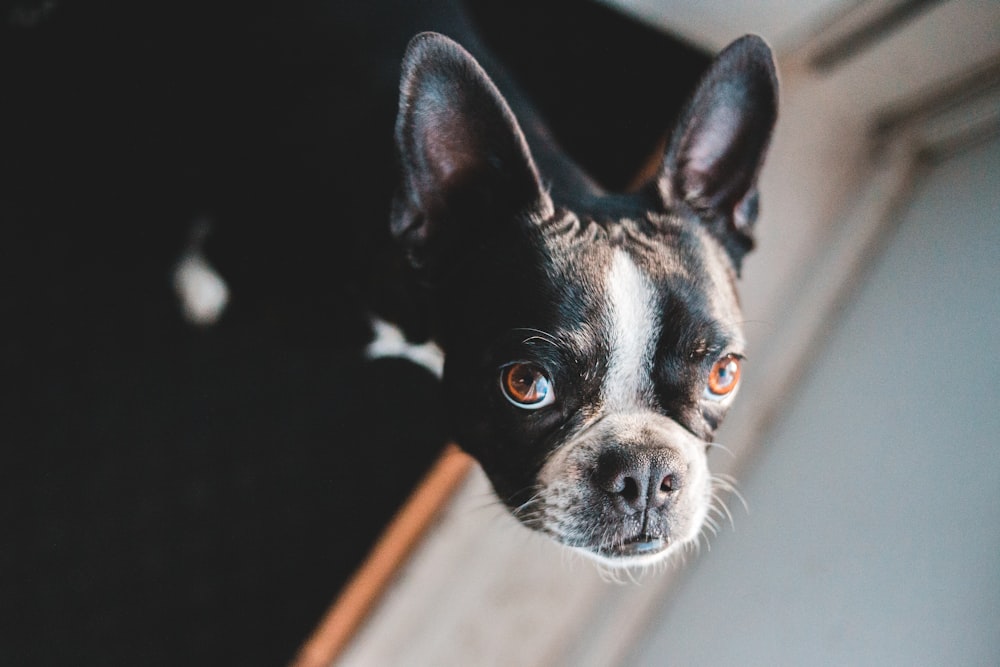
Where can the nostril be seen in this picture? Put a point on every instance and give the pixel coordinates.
(667, 485)
(615, 484)
(630, 490)
(612, 472)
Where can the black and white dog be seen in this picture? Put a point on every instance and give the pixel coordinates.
(592, 340)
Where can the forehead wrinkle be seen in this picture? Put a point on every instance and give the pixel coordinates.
(700, 266)
(723, 302)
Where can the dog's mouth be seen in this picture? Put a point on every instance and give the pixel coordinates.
(641, 545)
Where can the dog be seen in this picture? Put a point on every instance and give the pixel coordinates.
(592, 341)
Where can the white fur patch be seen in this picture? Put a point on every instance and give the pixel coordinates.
(633, 333)
(202, 291)
(390, 342)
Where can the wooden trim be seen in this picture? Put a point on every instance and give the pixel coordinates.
(397, 542)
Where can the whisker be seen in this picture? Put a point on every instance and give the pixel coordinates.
(729, 514)
(721, 447)
(538, 335)
(525, 509)
(728, 483)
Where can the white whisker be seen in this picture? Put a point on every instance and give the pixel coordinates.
(729, 514)
(720, 446)
(728, 483)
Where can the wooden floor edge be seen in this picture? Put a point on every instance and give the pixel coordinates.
(397, 541)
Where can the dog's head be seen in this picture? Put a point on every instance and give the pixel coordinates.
(593, 345)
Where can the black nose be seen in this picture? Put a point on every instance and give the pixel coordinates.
(636, 480)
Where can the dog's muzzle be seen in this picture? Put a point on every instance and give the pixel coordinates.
(628, 490)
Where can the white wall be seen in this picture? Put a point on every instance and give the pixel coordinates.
(874, 537)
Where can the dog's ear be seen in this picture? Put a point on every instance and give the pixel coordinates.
(463, 156)
(718, 147)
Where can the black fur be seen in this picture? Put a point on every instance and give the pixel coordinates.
(716, 153)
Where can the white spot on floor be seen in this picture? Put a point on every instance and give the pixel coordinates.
(390, 342)
(202, 291)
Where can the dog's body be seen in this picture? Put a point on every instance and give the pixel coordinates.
(592, 340)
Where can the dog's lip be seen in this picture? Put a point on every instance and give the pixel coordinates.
(643, 545)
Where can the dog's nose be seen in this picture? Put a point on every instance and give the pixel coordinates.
(635, 481)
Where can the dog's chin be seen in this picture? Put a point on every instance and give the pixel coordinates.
(638, 553)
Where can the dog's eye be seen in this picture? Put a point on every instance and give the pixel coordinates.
(724, 377)
(526, 386)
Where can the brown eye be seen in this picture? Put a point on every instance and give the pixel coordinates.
(526, 386)
(724, 377)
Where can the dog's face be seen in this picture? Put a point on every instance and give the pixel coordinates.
(592, 348)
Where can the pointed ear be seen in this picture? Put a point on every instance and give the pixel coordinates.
(463, 157)
(717, 150)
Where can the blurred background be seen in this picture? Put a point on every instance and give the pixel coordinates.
(180, 487)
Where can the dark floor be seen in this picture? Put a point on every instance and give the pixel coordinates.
(177, 495)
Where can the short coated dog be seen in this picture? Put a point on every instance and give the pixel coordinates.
(592, 340)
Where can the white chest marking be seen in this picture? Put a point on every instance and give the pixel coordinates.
(633, 332)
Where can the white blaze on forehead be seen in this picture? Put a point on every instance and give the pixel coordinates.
(633, 332)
